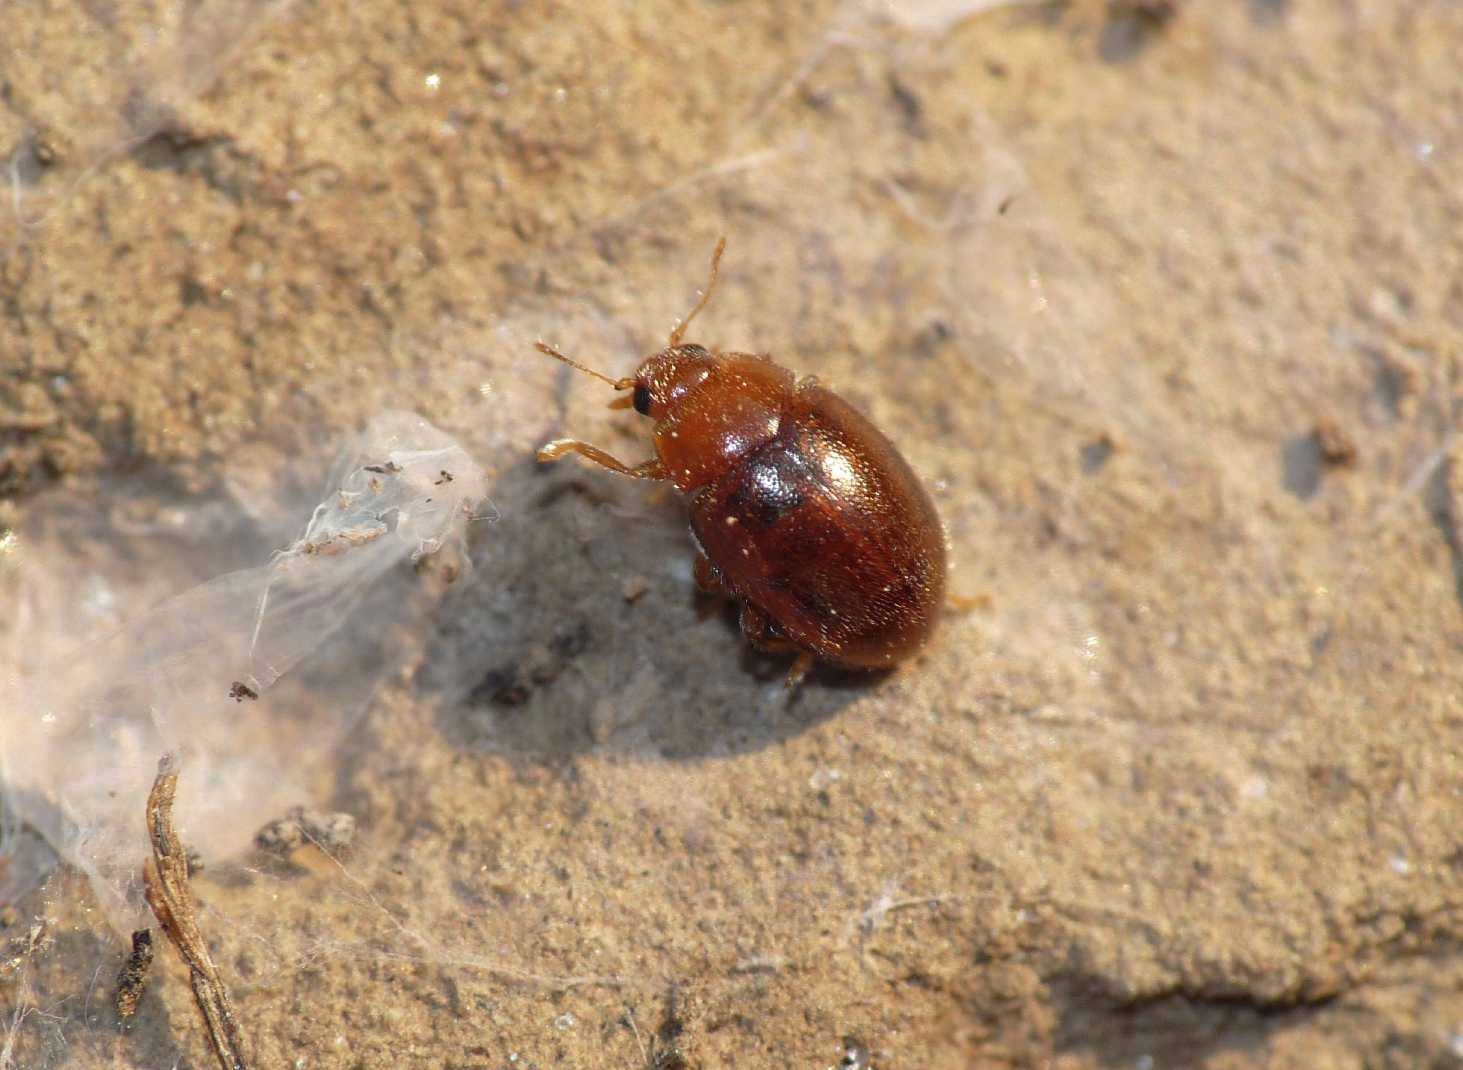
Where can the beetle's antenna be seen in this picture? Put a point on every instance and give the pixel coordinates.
(680, 329)
(618, 384)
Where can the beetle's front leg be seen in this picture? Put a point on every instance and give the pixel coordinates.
(552, 451)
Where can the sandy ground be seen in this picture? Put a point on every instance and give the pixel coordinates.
(1167, 313)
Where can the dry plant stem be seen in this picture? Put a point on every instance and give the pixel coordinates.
(166, 880)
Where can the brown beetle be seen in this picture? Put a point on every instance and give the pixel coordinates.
(803, 512)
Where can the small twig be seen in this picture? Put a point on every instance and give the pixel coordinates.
(165, 877)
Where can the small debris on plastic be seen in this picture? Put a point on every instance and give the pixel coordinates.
(22, 950)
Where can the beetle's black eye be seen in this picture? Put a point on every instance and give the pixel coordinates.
(642, 400)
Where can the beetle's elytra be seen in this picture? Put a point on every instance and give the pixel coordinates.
(801, 509)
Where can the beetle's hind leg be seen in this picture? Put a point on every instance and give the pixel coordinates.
(552, 451)
(801, 666)
(763, 635)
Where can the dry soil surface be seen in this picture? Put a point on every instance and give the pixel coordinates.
(1163, 300)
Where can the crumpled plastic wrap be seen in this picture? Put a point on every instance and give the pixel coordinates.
(89, 711)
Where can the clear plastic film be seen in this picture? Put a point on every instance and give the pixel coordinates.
(204, 674)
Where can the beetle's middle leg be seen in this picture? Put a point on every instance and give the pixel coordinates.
(651, 469)
(711, 591)
(708, 580)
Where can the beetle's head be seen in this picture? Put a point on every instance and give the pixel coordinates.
(660, 381)
(666, 377)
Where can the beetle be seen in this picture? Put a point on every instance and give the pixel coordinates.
(802, 511)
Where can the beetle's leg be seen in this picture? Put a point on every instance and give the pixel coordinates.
(764, 636)
(708, 580)
(800, 667)
(758, 631)
(651, 469)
